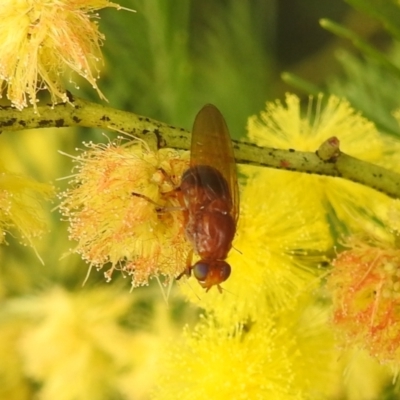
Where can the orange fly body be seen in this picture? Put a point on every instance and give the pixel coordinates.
(210, 198)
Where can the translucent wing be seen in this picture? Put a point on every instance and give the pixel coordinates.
(212, 146)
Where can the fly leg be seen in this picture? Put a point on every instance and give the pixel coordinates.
(142, 196)
(174, 193)
(167, 177)
(188, 270)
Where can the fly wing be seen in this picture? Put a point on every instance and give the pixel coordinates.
(212, 146)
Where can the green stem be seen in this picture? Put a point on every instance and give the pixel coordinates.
(79, 112)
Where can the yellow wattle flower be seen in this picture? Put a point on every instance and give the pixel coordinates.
(285, 357)
(103, 337)
(365, 288)
(21, 208)
(287, 126)
(113, 210)
(41, 40)
(277, 252)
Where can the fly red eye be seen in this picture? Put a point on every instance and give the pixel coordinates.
(225, 271)
(200, 271)
(211, 273)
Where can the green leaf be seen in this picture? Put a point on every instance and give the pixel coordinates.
(386, 11)
(361, 44)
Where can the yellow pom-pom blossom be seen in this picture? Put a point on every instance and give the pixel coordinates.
(79, 346)
(365, 287)
(42, 39)
(285, 126)
(14, 385)
(123, 210)
(21, 210)
(280, 243)
(285, 358)
(363, 376)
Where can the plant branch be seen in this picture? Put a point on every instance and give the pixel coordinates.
(79, 112)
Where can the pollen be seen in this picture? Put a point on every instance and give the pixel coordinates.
(41, 40)
(365, 286)
(23, 210)
(123, 210)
